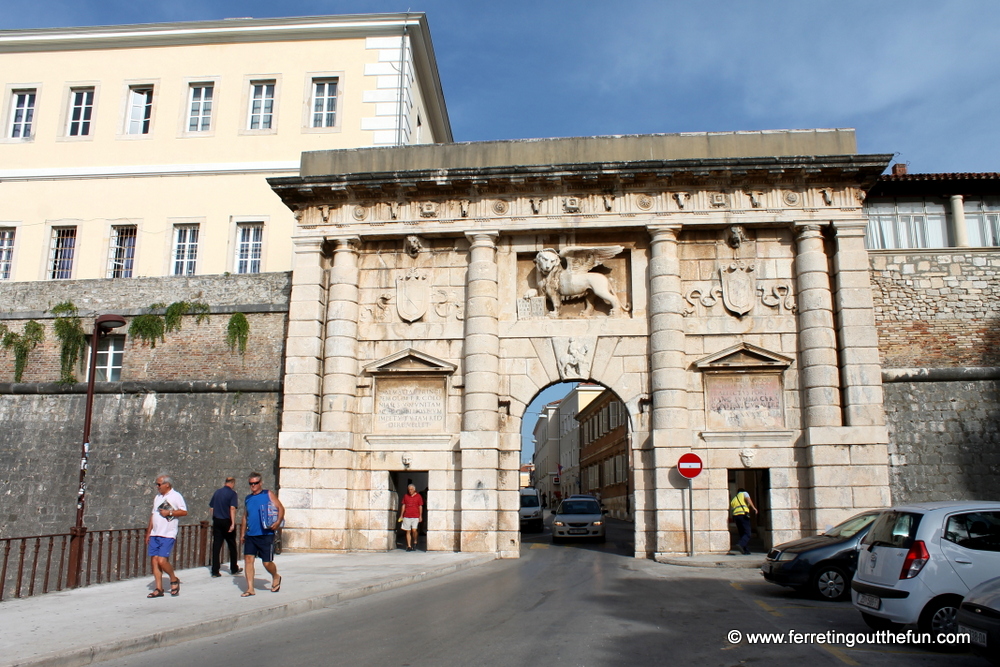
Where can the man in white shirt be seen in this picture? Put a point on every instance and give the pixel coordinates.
(161, 533)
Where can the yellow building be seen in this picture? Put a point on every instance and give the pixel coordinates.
(143, 150)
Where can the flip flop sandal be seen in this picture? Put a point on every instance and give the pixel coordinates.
(157, 593)
(276, 588)
(175, 588)
(248, 594)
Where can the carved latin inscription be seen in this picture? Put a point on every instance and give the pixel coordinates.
(744, 401)
(411, 404)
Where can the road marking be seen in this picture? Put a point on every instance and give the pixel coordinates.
(735, 585)
(840, 655)
(768, 608)
(539, 545)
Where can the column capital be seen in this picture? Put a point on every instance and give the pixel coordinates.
(805, 231)
(308, 244)
(664, 231)
(487, 237)
(853, 227)
(344, 243)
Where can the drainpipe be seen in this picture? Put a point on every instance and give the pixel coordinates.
(400, 103)
(959, 230)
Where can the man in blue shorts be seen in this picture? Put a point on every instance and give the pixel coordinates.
(161, 533)
(263, 514)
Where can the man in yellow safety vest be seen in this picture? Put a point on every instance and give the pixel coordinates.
(740, 507)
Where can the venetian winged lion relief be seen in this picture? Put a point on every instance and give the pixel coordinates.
(567, 276)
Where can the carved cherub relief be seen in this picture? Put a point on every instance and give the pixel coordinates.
(574, 280)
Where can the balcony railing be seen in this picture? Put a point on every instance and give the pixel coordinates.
(43, 563)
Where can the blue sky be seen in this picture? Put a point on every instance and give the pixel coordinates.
(917, 78)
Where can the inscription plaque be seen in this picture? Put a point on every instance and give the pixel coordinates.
(744, 401)
(409, 404)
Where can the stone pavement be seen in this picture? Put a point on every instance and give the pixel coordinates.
(107, 621)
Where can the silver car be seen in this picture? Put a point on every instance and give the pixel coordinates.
(578, 518)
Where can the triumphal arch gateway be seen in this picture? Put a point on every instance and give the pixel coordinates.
(717, 283)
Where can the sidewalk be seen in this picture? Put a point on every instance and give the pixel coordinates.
(97, 623)
(733, 560)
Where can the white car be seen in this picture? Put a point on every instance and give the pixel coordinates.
(530, 512)
(578, 518)
(918, 561)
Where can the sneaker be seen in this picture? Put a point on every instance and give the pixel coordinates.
(216, 574)
(236, 571)
(746, 552)
(409, 548)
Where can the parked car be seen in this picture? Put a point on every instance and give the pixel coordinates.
(823, 564)
(979, 616)
(531, 510)
(578, 518)
(918, 561)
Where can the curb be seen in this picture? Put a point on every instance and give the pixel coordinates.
(724, 562)
(87, 655)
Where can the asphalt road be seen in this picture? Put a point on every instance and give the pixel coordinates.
(574, 604)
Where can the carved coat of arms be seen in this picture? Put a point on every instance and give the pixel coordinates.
(413, 292)
(739, 287)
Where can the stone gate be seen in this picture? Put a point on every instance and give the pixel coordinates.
(718, 283)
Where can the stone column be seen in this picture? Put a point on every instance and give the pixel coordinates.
(819, 375)
(860, 367)
(670, 427)
(304, 350)
(959, 230)
(340, 366)
(480, 440)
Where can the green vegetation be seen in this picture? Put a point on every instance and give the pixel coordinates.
(69, 331)
(148, 327)
(238, 333)
(22, 344)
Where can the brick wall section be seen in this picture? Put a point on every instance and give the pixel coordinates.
(196, 352)
(937, 308)
(944, 440)
(199, 439)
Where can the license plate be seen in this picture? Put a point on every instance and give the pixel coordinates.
(870, 601)
(577, 531)
(978, 637)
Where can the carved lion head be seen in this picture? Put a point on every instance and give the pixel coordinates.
(546, 260)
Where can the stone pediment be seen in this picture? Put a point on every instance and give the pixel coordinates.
(410, 361)
(743, 357)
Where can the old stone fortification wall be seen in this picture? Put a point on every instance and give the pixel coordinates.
(188, 407)
(938, 316)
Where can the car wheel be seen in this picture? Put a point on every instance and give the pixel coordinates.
(879, 623)
(940, 616)
(556, 540)
(601, 539)
(830, 582)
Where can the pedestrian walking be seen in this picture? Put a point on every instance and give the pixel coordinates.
(740, 507)
(222, 511)
(161, 534)
(263, 513)
(410, 513)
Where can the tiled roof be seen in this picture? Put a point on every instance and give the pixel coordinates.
(949, 176)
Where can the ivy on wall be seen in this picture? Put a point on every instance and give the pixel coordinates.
(238, 333)
(22, 344)
(148, 327)
(69, 331)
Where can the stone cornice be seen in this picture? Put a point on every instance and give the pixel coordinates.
(725, 175)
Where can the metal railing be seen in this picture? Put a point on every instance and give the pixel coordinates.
(43, 563)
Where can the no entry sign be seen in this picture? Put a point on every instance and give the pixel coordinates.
(689, 465)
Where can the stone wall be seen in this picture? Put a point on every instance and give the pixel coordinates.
(937, 308)
(945, 440)
(189, 407)
(938, 316)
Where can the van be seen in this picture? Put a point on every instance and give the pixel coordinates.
(531, 510)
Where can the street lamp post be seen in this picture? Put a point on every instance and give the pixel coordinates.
(103, 324)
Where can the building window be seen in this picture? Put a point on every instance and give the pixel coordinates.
(324, 104)
(121, 255)
(22, 114)
(140, 109)
(261, 105)
(906, 223)
(982, 217)
(81, 109)
(185, 250)
(200, 116)
(61, 253)
(249, 243)
(110, 353)
(6, 252)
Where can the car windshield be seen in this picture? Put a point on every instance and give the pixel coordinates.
(851, 527)
(529, 501)
(579, 507)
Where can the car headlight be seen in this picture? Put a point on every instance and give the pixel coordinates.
(786, 555)
(557, 523)
(598, 523)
